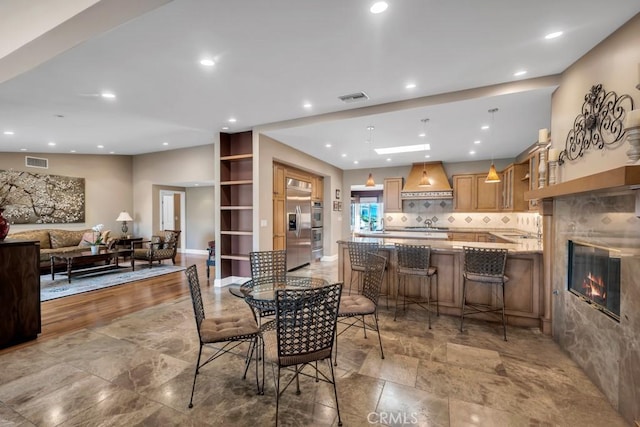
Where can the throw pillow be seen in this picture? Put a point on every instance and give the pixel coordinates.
(87, 238)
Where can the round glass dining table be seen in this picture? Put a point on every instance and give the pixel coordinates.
(261, 293)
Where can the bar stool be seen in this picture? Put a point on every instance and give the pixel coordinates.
(358, 253)
(485, 266)
(415, 260)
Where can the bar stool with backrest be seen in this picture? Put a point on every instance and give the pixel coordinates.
(358, 253)
(354, 308)
(415, 260)
(487, 267)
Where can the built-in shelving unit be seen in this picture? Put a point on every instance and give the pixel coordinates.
(236, 204)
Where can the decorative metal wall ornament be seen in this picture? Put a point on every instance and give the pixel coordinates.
(600, 123)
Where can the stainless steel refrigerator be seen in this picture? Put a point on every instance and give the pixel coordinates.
(298, 223)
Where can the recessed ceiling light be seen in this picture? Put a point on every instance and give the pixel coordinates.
(72, 151)
(410, 86)
(485, 127)
(389, 159)
(327, 145)
(112, 152)
(232, 120)
(355, 162)
(51, 143)
(427, 156)
(371, 127)
(196, 185)
(520, 73)
(165, 143)
(225, 127)
(100, 146)
(477, 141)
(108, 95)
(422, 135)
(472, 152)
(207, 62)
(553, 35)
(23, 149)
(403, 149)
(9, 132)
(307, 105)
(379, 7)
(343, 155)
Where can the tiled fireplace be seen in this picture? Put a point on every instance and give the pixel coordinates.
(607, 349)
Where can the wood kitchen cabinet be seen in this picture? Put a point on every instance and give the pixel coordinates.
(472, 194)
(317, 188)
(462, 236)
(391, 195)
(515, 181)
(279, 183)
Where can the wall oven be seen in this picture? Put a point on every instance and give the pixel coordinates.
(316, 243)
(316, 214)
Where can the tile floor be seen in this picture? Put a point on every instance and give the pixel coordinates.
(138, 369)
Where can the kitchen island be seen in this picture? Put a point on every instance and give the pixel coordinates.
(524, 299)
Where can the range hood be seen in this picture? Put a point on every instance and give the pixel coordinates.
(438, 188)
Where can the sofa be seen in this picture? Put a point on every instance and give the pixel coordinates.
(54, 241)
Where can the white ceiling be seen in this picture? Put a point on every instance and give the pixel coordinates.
(272, 56)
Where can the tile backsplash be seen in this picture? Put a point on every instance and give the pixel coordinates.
(441, 214)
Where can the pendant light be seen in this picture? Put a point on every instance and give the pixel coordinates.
(370, 182)
(492, 176)
(424, 181)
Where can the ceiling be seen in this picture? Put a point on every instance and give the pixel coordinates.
(271, 57)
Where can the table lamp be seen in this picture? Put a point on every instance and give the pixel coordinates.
(124, 217)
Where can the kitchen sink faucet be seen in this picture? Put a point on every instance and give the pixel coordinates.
(428, 223)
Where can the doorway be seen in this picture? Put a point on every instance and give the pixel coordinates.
(172, 217)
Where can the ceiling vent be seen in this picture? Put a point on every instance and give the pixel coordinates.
(354, 97)
(36, 162)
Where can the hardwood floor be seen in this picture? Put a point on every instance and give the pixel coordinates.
(95, 308)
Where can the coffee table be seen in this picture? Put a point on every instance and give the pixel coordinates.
(79, 263)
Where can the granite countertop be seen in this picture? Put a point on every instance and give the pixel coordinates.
(390, 237)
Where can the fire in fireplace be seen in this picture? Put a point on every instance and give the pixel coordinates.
(594, 275)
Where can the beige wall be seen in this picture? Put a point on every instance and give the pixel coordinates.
(107, 185)
(168, 170)
(271, 150)
(614, 63)
(200, 214)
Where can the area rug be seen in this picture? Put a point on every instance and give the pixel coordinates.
(60, 287)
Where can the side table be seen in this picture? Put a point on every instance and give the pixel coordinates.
(126, 243)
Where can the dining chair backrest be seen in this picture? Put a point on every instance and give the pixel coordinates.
(373, 276)
(413, 256)
(268, 265)
(485, 261)
(306, 323)
(358, 252)
(196, 295)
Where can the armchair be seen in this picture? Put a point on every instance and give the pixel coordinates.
(159, 248)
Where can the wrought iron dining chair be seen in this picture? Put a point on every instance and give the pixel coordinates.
(415, 260)
(225, 331)
(302, 335)
(354, 308)
(270, 267)
(487, 267)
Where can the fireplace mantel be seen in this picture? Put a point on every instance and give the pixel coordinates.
(625, 177)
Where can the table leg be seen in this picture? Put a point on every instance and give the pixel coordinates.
(69, 262)
(52, 269)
